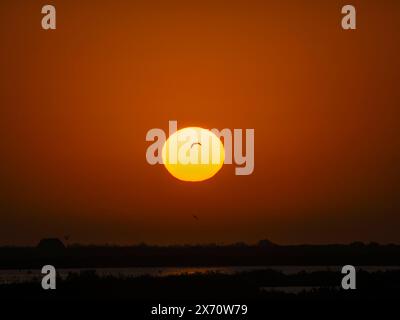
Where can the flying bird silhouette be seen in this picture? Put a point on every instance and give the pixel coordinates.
(193, 144)
(195, 217)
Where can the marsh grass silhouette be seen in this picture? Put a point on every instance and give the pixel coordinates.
(242, 286)
(210, 285)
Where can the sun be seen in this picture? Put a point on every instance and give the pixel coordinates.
(193, 154)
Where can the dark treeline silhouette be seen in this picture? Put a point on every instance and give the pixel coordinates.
(53, 251)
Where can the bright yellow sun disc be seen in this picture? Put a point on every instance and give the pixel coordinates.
(193, 154)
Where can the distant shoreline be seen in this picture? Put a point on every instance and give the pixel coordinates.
(61, 256)
(25, 275)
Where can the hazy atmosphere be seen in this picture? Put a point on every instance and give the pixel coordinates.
(76, 104)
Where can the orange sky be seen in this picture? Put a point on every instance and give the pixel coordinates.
(76, 104)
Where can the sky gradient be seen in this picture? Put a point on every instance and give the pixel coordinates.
(76, 104)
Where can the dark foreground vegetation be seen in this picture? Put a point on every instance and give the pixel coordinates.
(254, 285)
(54, 252)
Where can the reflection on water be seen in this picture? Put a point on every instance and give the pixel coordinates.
(23, 275)
(294, 290)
